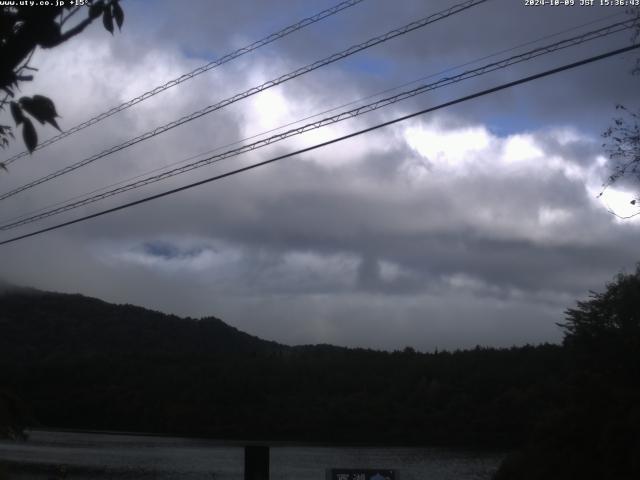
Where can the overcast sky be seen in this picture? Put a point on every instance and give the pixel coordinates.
(477, 224)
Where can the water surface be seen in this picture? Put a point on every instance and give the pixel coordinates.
(88, 456)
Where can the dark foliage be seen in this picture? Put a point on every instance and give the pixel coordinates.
(83, 363)
(594, 433)
(23, 28)
(14, 417)
(623, 146)
(622, 139)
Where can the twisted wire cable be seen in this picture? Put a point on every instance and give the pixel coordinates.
(385, 102)
(252, 91)
(188, 76)
(457, 101)
(309, 117)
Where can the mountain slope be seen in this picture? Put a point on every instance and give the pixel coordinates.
(39, 325)
(78, 362)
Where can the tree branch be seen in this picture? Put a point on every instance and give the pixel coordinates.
(73, 32)
(71, 14)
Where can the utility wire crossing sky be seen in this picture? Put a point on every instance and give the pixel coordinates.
(324, 144)
(252, 91)
(192, 74)
(573, 41)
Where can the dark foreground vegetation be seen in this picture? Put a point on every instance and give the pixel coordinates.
(69, 361)
(592, 430)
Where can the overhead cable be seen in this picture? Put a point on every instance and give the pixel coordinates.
(193, 73)
(308, 117)
(252, 91)
(385, 102)
(329, 142)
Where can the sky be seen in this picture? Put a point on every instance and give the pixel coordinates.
(477, 224)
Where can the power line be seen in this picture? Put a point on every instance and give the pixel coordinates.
(385, 102)
(257, 135)
(330, 142)
(252, 91)
(193, 73)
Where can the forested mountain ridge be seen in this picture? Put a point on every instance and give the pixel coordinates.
(36, 324)
(78, 362)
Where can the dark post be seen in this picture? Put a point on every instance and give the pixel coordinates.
(256, 462)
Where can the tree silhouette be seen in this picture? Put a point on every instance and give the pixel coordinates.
(604, 332)
(22, 30)
(592, 432)
(612, 314)
(622, 139)
(13, 416)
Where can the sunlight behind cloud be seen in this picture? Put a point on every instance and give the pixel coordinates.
(520, 148)
(270, 109)
(450, 149)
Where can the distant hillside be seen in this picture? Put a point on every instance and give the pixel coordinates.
(5, 286)
(78, 362)
(42, 325)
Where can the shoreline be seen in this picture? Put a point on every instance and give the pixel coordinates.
(232, 442)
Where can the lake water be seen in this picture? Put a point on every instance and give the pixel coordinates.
(101, 456)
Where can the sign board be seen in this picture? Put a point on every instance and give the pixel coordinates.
(361, 474)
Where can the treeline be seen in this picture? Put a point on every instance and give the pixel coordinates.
(592, 430)
(78, 362)
(476, 397)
